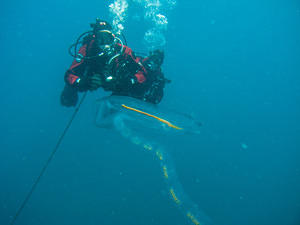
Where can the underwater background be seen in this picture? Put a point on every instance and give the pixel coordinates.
(234, 64)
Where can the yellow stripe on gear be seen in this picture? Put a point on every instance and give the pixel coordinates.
(155, 117)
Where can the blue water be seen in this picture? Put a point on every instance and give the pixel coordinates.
(235, 64)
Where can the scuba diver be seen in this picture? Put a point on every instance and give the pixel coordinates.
(104, 61)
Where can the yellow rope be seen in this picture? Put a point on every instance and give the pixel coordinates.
(155, 117)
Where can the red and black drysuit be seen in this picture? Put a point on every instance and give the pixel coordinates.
(128, 75)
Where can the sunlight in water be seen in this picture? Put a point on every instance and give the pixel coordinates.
(153, 11)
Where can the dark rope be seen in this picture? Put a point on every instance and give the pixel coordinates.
(47, 162)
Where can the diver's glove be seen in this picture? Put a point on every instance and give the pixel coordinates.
(69, 96)
(94, 82)
(91, 83)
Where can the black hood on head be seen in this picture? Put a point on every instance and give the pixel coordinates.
(100, 25)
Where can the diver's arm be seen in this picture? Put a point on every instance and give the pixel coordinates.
(76, 71)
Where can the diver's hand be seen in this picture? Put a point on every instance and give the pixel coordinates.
(91, 83)
(94, 82)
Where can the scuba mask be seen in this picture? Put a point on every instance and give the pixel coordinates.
(105, 41)
(155, 60)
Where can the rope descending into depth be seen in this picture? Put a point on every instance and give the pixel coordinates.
(47, 162)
